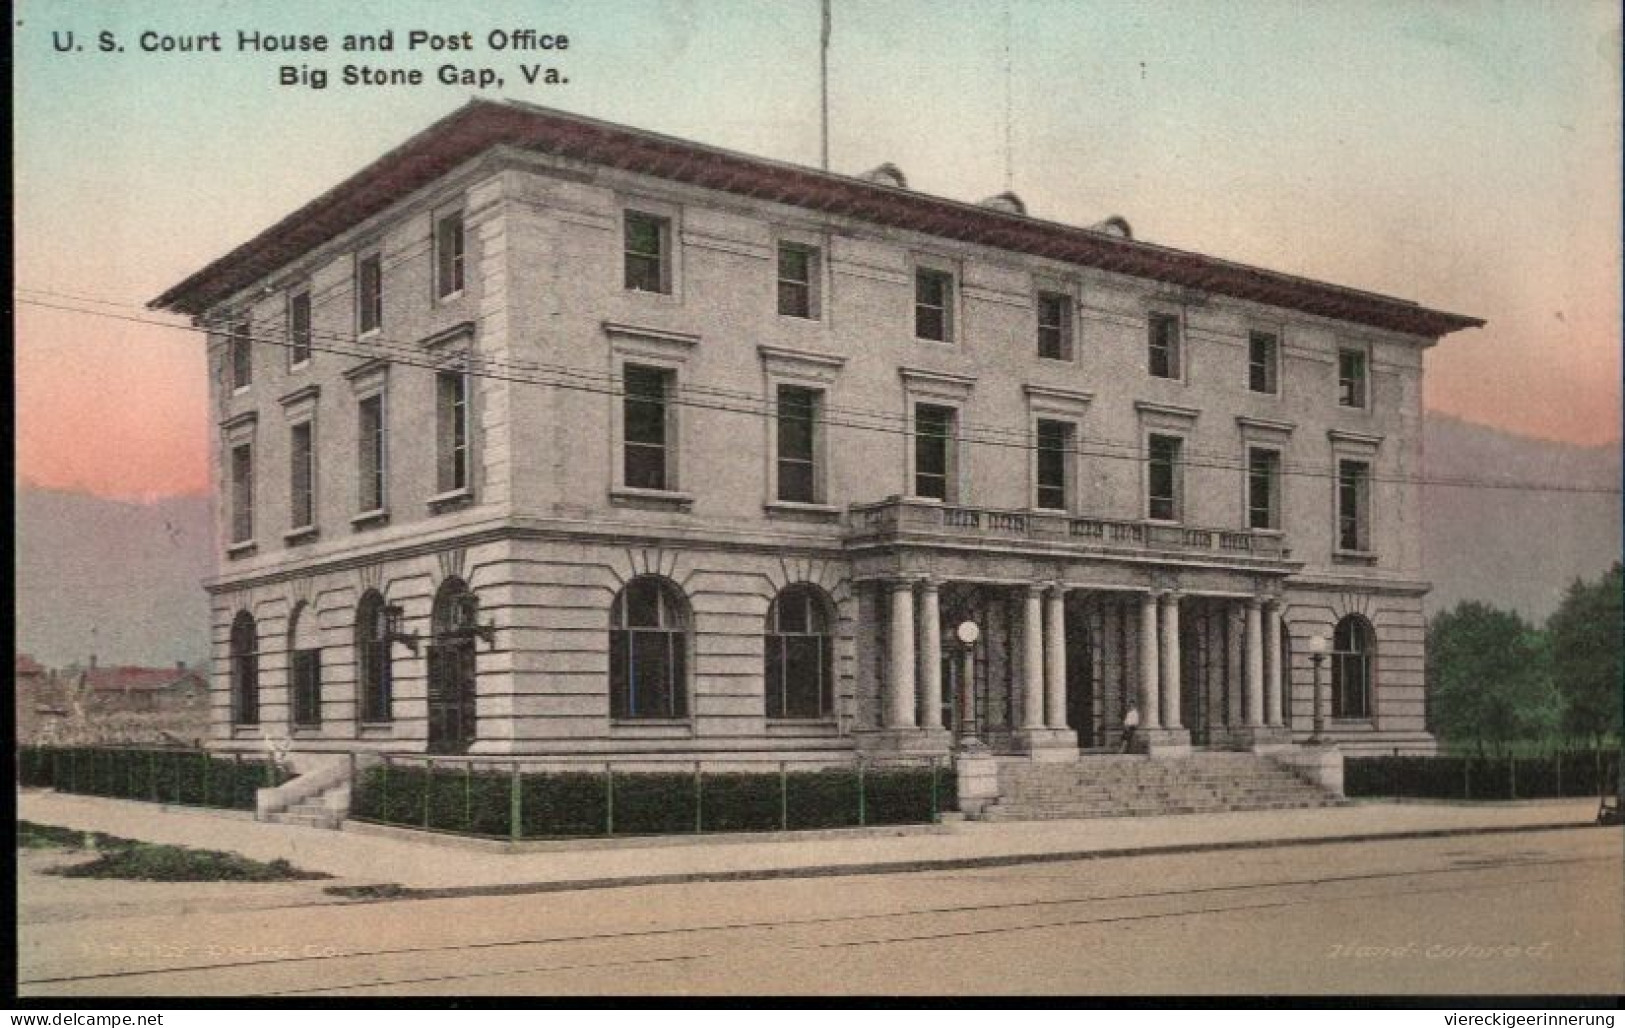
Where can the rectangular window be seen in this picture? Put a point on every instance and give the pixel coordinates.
(1263, 353)
(798, 424)
(242, 493)
(1055, 326)
(1054, 448)
(371, 449)
(1263, 488)
(933, 450)
(933, 305)
(448, 255)
(299, 329)
(1353, 506)
(798, 280)
(1164, 341)
(645, 413)
(242, 356)
(1351, 378)
(1162, 478)
(302, 466)
(452, 431)
(369, 291)
(307, 688)
(647, 247)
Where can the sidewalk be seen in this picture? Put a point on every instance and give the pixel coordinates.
(355, 857)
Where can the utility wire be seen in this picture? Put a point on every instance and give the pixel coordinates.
(759, 407)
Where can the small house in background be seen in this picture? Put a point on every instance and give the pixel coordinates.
(104, 705)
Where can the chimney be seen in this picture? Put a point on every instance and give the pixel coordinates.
(180, 665)
(92, 662)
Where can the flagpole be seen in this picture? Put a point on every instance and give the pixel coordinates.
(823, 89)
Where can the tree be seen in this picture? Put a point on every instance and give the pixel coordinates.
(1487, 678)
(1585, 641)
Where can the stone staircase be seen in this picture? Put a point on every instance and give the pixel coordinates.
(1125, 786)
(326, 809)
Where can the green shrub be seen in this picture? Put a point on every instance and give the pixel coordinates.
(169, 776)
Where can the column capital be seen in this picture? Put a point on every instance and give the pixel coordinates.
(901, 583)
(1256, 602)
(928, 584)
(1273, 604)
(1170, 597)
(1057, 589)
(1036, 588)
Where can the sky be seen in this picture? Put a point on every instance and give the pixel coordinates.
(1461, 153)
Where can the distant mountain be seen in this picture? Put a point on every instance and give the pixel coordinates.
(119, 580)
(123, 580)
(1514, 548)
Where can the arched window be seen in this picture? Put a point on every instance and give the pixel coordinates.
(800, 671)
(452, 668)
(375, 677)
(1351, 668)
(648, 651)
(245, 670)
(305, 667)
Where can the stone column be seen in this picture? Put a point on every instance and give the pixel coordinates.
(1055, 657)
(900, 694)
(1170, 660)
(1273, 711)
(930, 676)
(1255, 663)
(1032, 665)
(1149, 693)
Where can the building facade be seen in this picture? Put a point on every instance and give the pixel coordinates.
(547, 436)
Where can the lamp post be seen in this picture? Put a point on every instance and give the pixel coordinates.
(1317, 654)
(964, 638)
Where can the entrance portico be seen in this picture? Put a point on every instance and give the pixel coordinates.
(1188, 630)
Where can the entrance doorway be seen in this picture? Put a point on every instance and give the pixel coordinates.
(1080, 678)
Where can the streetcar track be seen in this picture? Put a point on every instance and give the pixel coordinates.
(884, 941)
(631, 934)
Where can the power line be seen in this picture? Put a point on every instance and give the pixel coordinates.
(857, 419)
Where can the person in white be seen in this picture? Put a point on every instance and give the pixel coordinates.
(1131, 724)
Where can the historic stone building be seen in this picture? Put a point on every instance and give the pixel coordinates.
(541, 435)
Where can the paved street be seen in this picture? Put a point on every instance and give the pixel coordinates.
(1524, 912)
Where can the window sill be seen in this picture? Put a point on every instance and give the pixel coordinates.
(370, 519)
(452, 499)
(377, 729)
(663, 727)
(307, 731)
(795, 510)
(295, 536)
(939, 342)
(1057, 360)
(241, 390)
(237, 551)
(814, 318)
(451, 297)
(1364, 723)
(1360, 557)
(303, 365)
(370, 334)
(650, 499)
(245, 730)
(787, 724)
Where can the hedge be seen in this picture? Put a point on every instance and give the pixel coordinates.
(186, 777)
(1581, 773)
(462, 798)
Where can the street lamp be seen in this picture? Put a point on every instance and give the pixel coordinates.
(1317, 654)
(964, 639)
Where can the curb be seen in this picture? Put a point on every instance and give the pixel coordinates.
(946, 863)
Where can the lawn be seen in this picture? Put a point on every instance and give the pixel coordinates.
(134, 860)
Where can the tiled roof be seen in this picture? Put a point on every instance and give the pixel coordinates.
(483, 124)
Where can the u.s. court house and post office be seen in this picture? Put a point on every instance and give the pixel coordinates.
(545, 436)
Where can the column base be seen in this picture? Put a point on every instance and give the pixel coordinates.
(1258, 738)
(1047, 744)
(1161, 742)
(904, 742)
